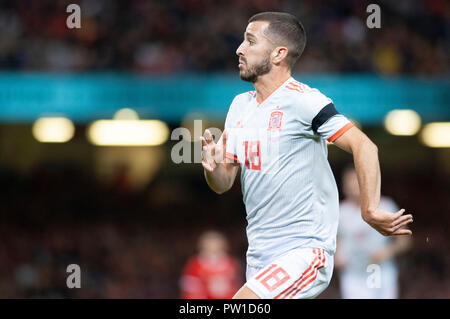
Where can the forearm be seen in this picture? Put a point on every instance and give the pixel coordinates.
(368, 170)
(221, 179)
(365, 156)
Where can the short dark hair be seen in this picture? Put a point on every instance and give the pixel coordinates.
(284, 29)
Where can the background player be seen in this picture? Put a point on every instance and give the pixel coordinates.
(292, 203)
(212, 273)
(359, 246)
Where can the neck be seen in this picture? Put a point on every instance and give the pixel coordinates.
(269, 82)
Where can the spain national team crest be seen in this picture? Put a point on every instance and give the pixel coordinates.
(275, 121)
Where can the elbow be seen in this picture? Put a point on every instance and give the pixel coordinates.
(366, 146)
(221, 191)
(367, 142)
(374, 147)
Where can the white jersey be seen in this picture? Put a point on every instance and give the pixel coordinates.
(358, 241)
(289, 191)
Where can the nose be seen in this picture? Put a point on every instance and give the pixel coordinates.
(239, 50)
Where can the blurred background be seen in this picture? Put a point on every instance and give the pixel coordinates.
(80, 184)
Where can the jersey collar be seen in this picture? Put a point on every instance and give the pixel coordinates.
(270, 94)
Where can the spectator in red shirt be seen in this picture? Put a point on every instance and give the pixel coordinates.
(212, 273)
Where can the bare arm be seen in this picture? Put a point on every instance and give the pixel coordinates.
(220, 173)
(365, 157)
(222, 178)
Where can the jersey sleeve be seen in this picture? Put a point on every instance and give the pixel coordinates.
(334, 127)
(319, 113)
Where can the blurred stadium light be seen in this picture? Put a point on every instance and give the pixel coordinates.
(126, 114)
(53, 130)
(127, 130)
(402, 122)
(436, 134)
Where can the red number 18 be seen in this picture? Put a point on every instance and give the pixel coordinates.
(273, 279)
(252, 154)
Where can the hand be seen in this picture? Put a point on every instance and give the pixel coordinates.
(212, 153)
(389, 224)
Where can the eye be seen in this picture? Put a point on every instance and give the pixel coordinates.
(251, 42)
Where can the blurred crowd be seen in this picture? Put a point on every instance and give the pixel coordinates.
(135, 244)
(128, 244)
(163, 37)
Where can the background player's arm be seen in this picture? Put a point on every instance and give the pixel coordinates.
(219, 173)
(340, 261)
(394, 248)
(365, 157)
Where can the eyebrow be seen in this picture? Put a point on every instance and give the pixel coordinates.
(249, 35)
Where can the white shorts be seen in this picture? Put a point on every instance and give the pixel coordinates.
(299, 274)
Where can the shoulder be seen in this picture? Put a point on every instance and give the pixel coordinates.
(304, 95)
(297, 87)
(192, 265)
(244, 97)
(241, 99)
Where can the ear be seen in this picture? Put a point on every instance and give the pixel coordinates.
(279, 54)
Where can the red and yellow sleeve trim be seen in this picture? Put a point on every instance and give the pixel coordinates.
(339, 133)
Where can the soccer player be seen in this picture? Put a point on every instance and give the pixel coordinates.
(212, 273)
(277, 135)
(360, 246)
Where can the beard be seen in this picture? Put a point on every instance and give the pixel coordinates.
(254, 71)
